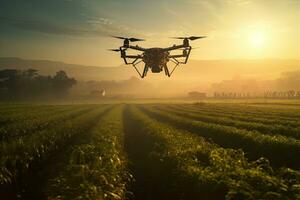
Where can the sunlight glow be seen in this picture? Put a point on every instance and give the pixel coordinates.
(257, 39)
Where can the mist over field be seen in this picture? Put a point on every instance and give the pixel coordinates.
(255, 76)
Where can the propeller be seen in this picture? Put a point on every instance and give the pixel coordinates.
(190, 38)
(130, 39)
(116, 50)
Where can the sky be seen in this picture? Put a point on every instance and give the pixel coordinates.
(78, 31)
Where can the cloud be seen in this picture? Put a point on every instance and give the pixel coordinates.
(93, 27)
(239, 2)
(49, 28)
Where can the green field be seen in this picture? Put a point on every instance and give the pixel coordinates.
(207, 150)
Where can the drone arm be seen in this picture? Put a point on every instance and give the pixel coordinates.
(175, 47)
(136, 48)
(125, 57)
(177, 56)
(177, 62)
(132, 56)
(182, 56)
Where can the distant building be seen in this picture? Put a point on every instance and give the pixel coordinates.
(197, 95)
(103, 93)
(98, 93)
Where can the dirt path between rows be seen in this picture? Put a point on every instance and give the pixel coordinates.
(150, 176)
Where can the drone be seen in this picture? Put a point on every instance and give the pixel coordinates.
(155, 58)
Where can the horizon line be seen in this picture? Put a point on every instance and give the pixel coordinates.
(204, 60)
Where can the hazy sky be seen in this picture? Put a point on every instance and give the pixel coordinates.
(76, 31)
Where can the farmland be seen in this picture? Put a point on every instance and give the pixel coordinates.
(151, 150)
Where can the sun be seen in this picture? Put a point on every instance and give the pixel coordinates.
(257, 39)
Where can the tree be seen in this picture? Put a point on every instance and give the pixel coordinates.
(30, 73)
(26, 84)
(62, 83)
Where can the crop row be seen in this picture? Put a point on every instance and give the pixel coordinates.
(21, 113)
(20, 156)
(251, 126)
(281, 151)
(240, 116)
(285, 113)
(96, 169)
(194, 168)
(40, 121)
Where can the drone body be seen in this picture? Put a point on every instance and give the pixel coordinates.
(156, 58)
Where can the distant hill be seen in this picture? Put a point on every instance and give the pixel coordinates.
(195, 71)
(80, 72)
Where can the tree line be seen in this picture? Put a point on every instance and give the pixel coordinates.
(290, 94)
(29, 84)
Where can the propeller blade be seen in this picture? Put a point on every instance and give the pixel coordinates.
(190, 38)
(116, 50)
(130, 39)
(135, 39)
(179, 38)
(122, 38)
(196, 37)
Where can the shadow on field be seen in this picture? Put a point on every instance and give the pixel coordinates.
(150, 176)
(138, 147)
